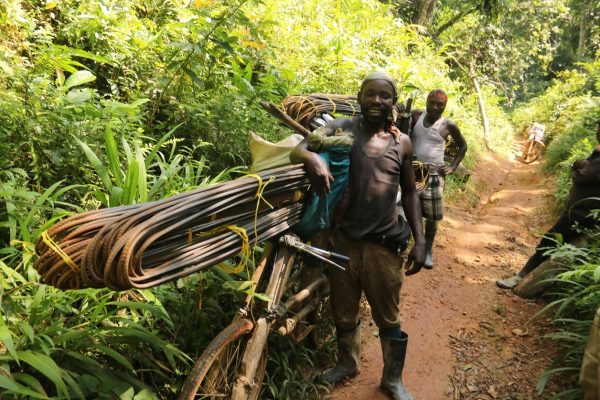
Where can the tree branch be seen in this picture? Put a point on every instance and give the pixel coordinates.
(453, 21)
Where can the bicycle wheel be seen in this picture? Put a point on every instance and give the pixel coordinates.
(214, 373)
(532, 151)
(526, 151)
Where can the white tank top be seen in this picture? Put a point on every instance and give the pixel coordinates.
(428, 145)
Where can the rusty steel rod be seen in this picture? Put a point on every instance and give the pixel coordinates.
(145, 245)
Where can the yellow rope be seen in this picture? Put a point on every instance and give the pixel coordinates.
(241, 232)
(245, 252)
(352, 107)
(56, 248)
(333, 104)
(260, 189)
(423, 172)
(297, 196)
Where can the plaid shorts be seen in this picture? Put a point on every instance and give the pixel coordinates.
(432, 201)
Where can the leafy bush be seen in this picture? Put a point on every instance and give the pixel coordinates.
(576, 300)
(92, 342)
(572, 94)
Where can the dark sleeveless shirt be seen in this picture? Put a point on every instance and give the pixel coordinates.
(373, 187)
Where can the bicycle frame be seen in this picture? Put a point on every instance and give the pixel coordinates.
(532, 150)
(234, 362)
(275, 314)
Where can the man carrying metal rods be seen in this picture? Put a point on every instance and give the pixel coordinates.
(428, 136)
(369, 231)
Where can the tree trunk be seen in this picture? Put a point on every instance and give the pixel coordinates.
(483, 114)
(424, 11)
(583, 28)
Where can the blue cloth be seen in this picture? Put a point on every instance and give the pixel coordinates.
(319, 209)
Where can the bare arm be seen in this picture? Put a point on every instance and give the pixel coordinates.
(415, 114)
(460, 141)
(586, 172)
(412, 208)
(318, 172)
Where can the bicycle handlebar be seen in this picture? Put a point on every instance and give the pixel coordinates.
(294, 241)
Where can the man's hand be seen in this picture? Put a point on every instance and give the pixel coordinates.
(580, 164)
(447, 170)
(416, 259)
(318, 174)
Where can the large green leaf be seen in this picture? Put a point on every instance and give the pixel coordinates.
(46, 366)
(70, 335)
(145, 394)
(79, 78)
(131, 182)
(6, 338)
(101, 170)
(17, 388)
(115, 196)
(115, 355)
(29, 381)
(112, 153)
(142, 180)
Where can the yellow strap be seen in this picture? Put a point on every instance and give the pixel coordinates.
(352, 107)
(259, 195)
(333, 104)
(261, 188)
(56, 248)
(245, 252)
(298, 196)
(423, 172)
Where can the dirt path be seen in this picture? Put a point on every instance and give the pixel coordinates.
(467, 338)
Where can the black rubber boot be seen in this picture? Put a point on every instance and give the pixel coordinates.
(509, 283)
(430, 232)
(394, 352)
(348, 352)
(428, 255)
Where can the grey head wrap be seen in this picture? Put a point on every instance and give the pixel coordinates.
(380, 75)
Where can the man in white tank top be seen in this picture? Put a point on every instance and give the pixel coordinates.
(428, 135)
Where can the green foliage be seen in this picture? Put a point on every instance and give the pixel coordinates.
(576, 299)
(86, 343)
(78, 343)
(82, 343)
(291, 370)
(89, 63)
(108, 103)
(569, 108)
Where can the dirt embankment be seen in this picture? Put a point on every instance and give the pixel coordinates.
(467, 338)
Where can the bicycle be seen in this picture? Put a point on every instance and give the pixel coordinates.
(292, 295)
(532, 151)
(534, 146)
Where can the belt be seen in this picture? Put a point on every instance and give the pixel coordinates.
(394, 243)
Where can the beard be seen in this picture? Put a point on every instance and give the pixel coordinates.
(383, 116)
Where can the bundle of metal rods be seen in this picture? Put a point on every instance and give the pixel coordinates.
(148, 244)
(303, 108)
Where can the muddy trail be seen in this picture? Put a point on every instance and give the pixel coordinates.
(467, 338)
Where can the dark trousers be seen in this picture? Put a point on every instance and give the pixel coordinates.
(563, 226)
